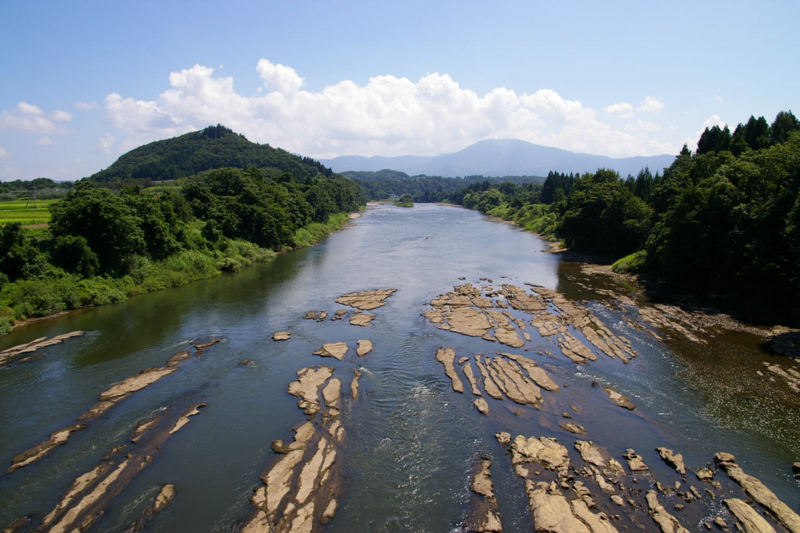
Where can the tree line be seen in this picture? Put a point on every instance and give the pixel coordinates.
(724, 219)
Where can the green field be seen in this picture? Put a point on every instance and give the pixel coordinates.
(15, 211)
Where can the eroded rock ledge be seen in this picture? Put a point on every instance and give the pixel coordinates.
(11, 355)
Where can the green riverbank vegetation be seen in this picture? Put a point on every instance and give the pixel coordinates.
(405, 201)
(103, 246)
(723, 220)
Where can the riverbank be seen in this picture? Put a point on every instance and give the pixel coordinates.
(28, 301)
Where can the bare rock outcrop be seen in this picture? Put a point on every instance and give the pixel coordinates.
(484, 517)
(675, 460)
(666, 522)
(750, 520)
(164, 497)
(361, 319)
(337, 350)
(9, 354)
(447, 356)
(366, 300)
(282, 335)
(364, 347)
(619, 398)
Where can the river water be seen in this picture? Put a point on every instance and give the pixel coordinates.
(411, 440)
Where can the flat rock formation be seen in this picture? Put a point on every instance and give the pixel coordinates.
(282, 335)
(318, 316)
(618, 398)
(106, 401)
(9, 354)
(364, 347)
(666, 522)
(91, 493)
(361, 319)
(484, 312)
(339, 315)
(337, 350)
(447, 356)
(675, 460)
(760, 493)
(366, 300)
(306, 387)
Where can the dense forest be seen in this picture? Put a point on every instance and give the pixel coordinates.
(385, 184)
(103, 245)
(723, 220)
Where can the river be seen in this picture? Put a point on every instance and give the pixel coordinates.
(411, 441)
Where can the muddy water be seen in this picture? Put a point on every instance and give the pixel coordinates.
(411, 440)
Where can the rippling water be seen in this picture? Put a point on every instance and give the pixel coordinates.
(411, 441)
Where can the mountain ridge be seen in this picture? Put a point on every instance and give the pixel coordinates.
(500, 157)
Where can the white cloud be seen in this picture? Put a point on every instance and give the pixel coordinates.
(718, 99)
(650, 105)
(622, 110)
(642, 125)
(3, 153)
(104, 144)
(27, 117)
(387, 116)
(713, 120)
(44, 141)
(86, 106)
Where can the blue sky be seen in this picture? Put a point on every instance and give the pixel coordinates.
(84, 82)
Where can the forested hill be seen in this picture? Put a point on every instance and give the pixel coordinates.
(211, 148)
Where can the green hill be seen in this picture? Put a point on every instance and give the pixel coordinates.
(211, 148)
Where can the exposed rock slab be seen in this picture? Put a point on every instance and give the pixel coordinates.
(306, 387)
(666, 522)
(481, 405)
(619, 398)
(484, 517)
(337, 350)
(675, 460)
(366, 300)
(751, 521)
(544, 451)
(473, 383)
(282, 335)
(447, 356)
(136, 383)
(364, 347)
(572, 427)
(43, 342)
(635, 461)
(318, 316)
(40, 451)
(762, 495)
(361, 319)
(536, 373)
(354, 384)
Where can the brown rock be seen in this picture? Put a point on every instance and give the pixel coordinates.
(361, 319)
(481, 405)
(751, 521)
(40, 451)
(665, 521)
(282, 335)
(675, 460)
(618, 398)
(366, 300)
(572, 427)
(447, 356)
(337, 350)
(354, 384)
(364, 347)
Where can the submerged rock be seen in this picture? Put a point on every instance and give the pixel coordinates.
(364, 347)
(337, 350)
(282, 335)
(572, 427)
(619, 398)
(366, 300)
(354, 384)
(164, 498)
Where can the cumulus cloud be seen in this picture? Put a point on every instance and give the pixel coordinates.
(44, 141)
(86, 106)
(713, 120)
(30, 118)
(104, 144)
(3, 153)
(622, 110)
(650, 105)
(387, 116)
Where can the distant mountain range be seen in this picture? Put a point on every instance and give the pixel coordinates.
(500, 157)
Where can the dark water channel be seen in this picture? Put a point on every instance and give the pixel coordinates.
(411, 440)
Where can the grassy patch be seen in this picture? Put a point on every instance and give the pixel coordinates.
(631, 264)
(16, 211)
